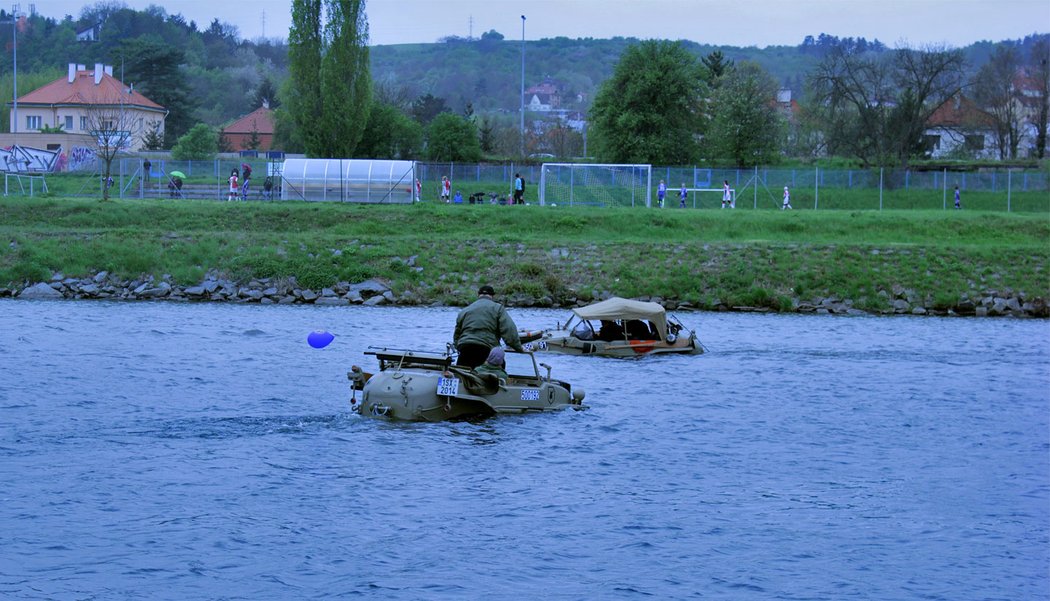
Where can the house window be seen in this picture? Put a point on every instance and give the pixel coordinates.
(975, 142)
(932, 142)
(83, 123)
(69, 122)
(33, 122)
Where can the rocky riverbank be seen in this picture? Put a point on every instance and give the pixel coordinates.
(375, 292)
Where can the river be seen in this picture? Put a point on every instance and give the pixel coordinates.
(206, 451)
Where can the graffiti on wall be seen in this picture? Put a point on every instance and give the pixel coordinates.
(22, 159)
(80, 158)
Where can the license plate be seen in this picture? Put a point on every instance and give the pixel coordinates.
(530, 394)
(448, 386)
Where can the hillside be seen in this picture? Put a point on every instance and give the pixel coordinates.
(487, 72)
(211, 75)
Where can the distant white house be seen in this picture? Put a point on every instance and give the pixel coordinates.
(68, 104)
(543, 98)
(88, 34)
(959, 127)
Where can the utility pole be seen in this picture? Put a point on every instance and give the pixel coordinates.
(522, 86)
(14, 64)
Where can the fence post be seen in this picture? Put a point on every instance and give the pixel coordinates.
(881, 169)
(944, 186)
(816, 186)
(1009, 173)
(755, 191)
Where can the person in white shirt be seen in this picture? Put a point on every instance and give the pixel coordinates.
(727, 196)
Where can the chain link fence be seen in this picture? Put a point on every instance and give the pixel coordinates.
(755, 188)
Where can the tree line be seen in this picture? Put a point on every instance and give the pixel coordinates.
(645, 101)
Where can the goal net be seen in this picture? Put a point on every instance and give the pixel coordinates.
(601, 185)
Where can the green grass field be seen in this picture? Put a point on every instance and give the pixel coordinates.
(766, 257)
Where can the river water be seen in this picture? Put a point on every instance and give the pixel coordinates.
(206, 451)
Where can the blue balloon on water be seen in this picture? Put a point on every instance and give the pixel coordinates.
(320, 339)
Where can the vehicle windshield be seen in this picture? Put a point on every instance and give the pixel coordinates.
(520, 364)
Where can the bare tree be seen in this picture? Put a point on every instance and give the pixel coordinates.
(115, 129)
(925, 80)
(995, 92)
(851, 96)
(875, 106)
(1040, 68)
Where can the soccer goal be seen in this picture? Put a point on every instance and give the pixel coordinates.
(601, 185)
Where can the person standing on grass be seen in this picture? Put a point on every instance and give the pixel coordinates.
(661, 192)
(958, 199)
(246, 175)
(446, 189)
(234, 186)
(682, 195)
(727, 195)
(519, 189)
(787, 199)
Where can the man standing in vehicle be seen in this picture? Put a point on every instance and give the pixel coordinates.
(479, 328)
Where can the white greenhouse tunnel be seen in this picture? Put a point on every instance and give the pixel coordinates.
(349, 180)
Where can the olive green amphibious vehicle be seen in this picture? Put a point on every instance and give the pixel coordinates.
(616, 327)
(426, 386)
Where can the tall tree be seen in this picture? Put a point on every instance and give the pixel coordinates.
(452, 138)
(304, 101)
(428, 106)
(995, 92)
(650, 110)
(746, 126)
(717, 66)
(391, 134)
(875, 106)
(1040, 69)
(346, 82)
(265, 95)
(199, 144)
(330, 95)
(928, 77)
(154, 68)
(850, 96)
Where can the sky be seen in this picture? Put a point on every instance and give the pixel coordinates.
(760, 23)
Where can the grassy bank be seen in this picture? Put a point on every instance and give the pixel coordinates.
(440, 253)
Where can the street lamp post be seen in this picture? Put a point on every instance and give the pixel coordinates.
(14, 65)
(523, 86)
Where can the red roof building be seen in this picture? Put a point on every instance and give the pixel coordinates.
(258, 123)
(68, 104)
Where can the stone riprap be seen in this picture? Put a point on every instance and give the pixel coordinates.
(374, 292)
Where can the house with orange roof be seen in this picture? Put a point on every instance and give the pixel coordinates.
(544, 97)
(959, 126)
(257, 124)
(70, 102)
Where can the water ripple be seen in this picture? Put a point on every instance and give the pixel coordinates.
(203, 451)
